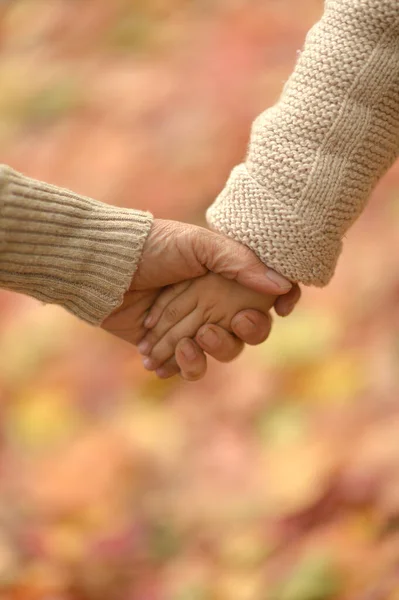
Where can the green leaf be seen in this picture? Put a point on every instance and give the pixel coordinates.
(300, 339)
(315, 578)
(164, 542)
(52, 102)
(283, 425)
(132, 32)
(196, 592)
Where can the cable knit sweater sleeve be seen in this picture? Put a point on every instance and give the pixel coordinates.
(315, 157)
(66, 249)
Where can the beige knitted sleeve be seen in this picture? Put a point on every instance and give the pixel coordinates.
(315, 157)
(66, 249)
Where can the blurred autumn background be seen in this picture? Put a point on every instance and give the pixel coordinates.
(275, 478)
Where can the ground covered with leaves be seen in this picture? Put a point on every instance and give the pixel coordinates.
(275, 478)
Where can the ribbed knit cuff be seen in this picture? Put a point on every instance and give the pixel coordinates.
(66, 249)
(245, 212)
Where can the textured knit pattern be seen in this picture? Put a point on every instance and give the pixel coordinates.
(67, 249)
(315, 157)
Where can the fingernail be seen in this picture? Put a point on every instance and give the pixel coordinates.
(209, 338)
(188, 350)
(244, 326)
(144, 348)
(279, 280)
(149, 364)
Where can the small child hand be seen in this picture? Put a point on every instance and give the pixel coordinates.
(182, 309)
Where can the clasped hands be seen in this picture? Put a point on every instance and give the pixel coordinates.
(194, 293)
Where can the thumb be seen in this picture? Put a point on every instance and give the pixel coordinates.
(233, 260)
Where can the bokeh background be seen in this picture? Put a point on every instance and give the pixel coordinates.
(274, 478)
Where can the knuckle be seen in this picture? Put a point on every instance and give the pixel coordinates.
(171, 314)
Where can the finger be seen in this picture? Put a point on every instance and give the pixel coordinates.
(190, 368)
(219, 343)
(165, 348)
(178, 309)
(191, 360)
(168, 369)
(233, 260)
(285, 304)
(252, 326)
(160, 304)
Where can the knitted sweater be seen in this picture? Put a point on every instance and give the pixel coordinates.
(313, 161)
(66, 249)
(315, 157)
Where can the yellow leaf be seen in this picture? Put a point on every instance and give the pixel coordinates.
(8, 562)
(41, 419)
(243, 548)
(96, 467)
(299, 339)
(297, 476)
(338, 378)
(66, 543)
(239, 586)
(43, 579)
(154, 430)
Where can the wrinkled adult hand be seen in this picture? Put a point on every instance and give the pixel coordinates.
(177, 251)
(174, 252)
